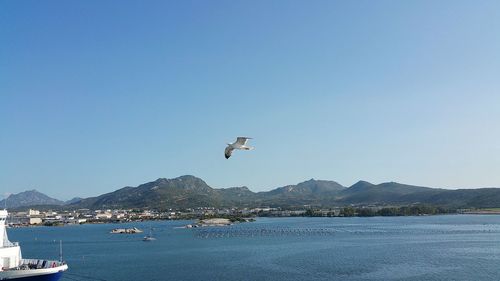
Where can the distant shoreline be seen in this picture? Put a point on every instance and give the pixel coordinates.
(201, 223)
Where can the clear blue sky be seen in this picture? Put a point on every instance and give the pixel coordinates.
(97, 95)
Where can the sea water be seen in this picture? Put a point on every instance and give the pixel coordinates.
(449, 247)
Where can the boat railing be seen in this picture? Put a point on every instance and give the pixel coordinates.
(10, 244)
(40, 264)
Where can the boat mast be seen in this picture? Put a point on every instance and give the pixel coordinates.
(60, 251)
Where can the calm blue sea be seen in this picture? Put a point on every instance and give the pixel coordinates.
(451, 247)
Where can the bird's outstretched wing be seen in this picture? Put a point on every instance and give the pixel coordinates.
(228, 151)
(242, 140)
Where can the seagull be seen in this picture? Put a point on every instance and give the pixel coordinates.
(238, 144)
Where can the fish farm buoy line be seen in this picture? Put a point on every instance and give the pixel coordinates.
(228, 232)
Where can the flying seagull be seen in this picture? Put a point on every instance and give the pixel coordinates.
(240, 143)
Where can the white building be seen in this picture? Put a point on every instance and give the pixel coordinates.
(103, 216)
(35, 220)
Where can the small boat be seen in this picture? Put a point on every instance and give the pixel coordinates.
(149, 237)
(14, 267)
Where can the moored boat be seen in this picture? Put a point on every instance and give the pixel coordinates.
(14, 267)
(149, 237)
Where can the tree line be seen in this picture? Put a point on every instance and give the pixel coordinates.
(385, 211)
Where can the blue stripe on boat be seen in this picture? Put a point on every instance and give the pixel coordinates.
(47, 277)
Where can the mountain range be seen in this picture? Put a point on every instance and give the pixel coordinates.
(33, 198)
(190, 191)
(29, 198)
